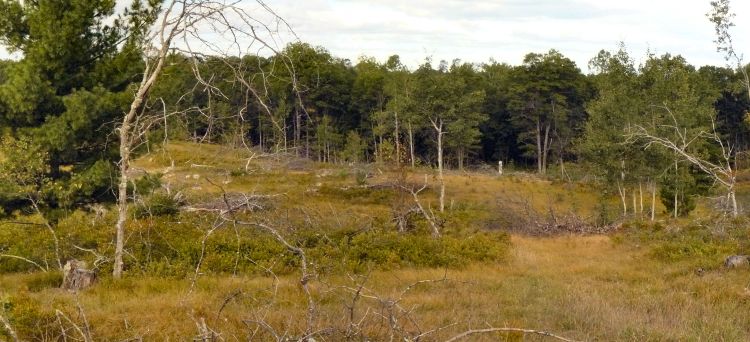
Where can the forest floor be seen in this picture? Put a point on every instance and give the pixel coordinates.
(642, 282)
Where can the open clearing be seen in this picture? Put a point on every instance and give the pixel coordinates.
(586, 288)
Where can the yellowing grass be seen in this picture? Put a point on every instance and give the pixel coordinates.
(586, 288)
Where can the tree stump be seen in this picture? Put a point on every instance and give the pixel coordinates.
(735, 261)
(76, 276)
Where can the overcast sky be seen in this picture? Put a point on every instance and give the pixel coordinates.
(477, 30)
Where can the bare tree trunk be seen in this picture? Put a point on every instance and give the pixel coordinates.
(126, 141)
(621, 191)
(122, 203)
(676, 190)
(397, 138)
(732, 198)
(635, 207)
(440, 168)
(307, 142)
(640, 193)
(286, 143)
(379, 150)
(411, 146)
(461, 158)
(545, 150)
(297, 130)
(653, 201)
(538, 146)
(260, 134)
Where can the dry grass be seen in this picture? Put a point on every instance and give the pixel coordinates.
(586, 288)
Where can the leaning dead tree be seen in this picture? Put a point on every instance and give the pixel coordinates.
(194, 28)
(721, 172)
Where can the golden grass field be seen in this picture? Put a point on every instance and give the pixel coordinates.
(590, 288)
(584, 288)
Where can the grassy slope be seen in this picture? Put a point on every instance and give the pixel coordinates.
(588, 288)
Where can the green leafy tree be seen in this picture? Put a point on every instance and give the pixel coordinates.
(446, 102)
(665, 100)
(400, 89)
(327, 139)
(463, 132)
(78, 59)
(354, 148)
(499, 136)
(550, 92)
(619, 104)
(678, 108)
(24, 167)
(324, 86)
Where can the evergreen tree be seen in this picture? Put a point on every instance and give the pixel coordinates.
(70, 85)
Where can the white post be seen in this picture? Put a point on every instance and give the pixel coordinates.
(500, 167)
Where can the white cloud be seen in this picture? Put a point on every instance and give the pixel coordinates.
(508, 29)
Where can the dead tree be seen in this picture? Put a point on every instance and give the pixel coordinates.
(721, 172)
(184, 26)
(439, 127)
(428, 215)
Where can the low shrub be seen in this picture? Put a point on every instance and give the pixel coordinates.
(158, 204)
(167, 245)
(29, 318)
(696, 243)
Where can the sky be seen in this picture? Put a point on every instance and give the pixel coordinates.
(506, 30)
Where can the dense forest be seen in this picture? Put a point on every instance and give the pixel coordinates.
(538, 115)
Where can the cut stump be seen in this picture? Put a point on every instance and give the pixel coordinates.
(76, 277)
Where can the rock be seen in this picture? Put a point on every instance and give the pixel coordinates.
(76, 276)
(735, 261)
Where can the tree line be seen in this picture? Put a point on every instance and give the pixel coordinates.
(62, 101)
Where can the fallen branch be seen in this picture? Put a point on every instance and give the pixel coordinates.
(24, 259)
(9, 328)
(491, 330)
(429, 216)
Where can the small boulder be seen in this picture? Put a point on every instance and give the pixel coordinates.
(76, 277)
(735, 261)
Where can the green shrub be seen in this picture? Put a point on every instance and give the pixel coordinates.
(147, 184)
(696, 244)
(393, 250)
(170, 246)
(360, 177)
(27, 317)
(157, 204)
